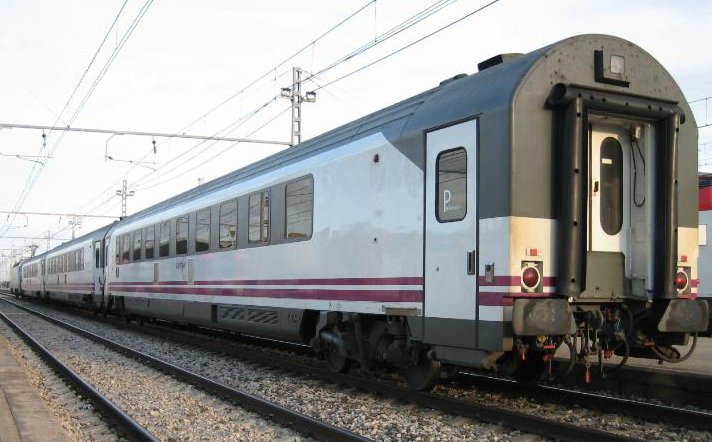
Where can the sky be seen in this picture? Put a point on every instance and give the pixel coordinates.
(184, 58)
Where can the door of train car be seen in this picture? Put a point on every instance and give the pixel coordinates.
(98, 267)
(451, 236)
(619, 208)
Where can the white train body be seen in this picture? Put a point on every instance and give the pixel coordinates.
(70, 271)
(32, 276)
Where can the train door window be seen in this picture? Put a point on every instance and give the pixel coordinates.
(258, 229)
(611, 212)
(125, 248)
(117, 251)
(202, 231)
(164, 239)
(137, 245)
(228, 225)
(148, 241)
(451, 196)
(81, 259)
(97, 254)
(182, 235)
(299, 202)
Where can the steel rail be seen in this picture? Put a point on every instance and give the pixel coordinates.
(521, 421)
(693, 419)
(300, 422)
(525, 422)
(126, 422)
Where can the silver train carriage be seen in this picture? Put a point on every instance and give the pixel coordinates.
(548, 200)
(75, 270)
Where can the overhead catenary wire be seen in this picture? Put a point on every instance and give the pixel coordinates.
(429, 10)
(227, 148)
(406, 24)
(267, 73)
(409, 45)
(392, 32)
(36, 170)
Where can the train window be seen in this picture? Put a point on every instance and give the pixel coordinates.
(117, 251)
(125, 248)
(137, 245)
(228, 224)
(202, 231)
(164, 239)
(258, 229)
(299, 201)
(451, 196)
(148, 241)
(182, 235)
(611, 212)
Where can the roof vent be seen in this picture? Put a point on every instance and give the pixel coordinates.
(450, 80)
(497, 59)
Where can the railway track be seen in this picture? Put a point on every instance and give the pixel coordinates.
(306, 425)
(133, 429)
(522, 421)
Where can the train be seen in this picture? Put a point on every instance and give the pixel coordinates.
(546, 203)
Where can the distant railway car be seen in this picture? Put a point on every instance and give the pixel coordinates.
(705, 261)
(549, 199)
(32, 277)
(75, 270)
(15, 279)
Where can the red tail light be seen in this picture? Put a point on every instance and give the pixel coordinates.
(681, 280)
(530, 277)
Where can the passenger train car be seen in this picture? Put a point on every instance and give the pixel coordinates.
(75, 270)
(32, 276)
(549, 199)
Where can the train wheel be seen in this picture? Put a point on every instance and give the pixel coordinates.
(422, 375)
(336, 362)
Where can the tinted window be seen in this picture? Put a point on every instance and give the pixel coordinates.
(451, 189)
(118, 251)
(125, 247)
(258, 230)
(611, 186)
(299, 200)
(202, 231)
(165, 239)
(182, 235)
(228, 224)
(148, 242)
(137, 245)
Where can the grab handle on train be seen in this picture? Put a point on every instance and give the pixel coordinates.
(471, 262)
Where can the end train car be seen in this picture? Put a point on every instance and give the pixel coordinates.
(548, 200)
